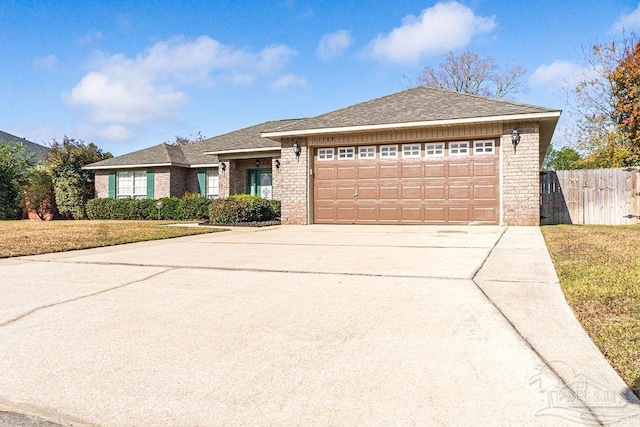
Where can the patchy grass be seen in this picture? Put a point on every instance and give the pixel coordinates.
(599, 268)
(39, 237)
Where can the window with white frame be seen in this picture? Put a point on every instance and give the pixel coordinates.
(410, 151)
(366, 152)
(388, 151)
(212, 184)
(325, 154)
(131, 185)
(459, 148)
(435, 149)
(483, 147)
(345, 153)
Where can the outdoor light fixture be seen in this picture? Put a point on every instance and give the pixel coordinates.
(257, 163)
(515, 138)
(277, 162)
(223, 166)
(296, 149)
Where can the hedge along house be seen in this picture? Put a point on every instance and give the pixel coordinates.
(421, 156)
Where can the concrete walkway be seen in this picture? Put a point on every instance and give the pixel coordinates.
(302, 325)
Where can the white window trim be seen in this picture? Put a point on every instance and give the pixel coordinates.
(385, 154)
(411, 148)
(364, 152)
(434, 146)
(141, 194)
(460, 144)
(208, 190)
(484, 147)
(324, 152)
(346, 153)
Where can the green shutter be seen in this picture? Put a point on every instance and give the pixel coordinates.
(150, 183)
(202, 179)
(111, 193)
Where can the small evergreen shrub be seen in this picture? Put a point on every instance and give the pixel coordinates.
(243, 208)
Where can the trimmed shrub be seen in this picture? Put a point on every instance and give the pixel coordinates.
(243, 208)
(194, 206)
(118, 209)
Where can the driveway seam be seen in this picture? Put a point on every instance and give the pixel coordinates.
(43, 307)
(526, 341)
(251, 270)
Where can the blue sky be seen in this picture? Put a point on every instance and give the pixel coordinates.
(131, 74)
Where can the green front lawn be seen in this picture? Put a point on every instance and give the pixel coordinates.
(39, 237)
(599, 268)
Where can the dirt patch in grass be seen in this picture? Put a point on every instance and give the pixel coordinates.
(599, 268)
(19, 238)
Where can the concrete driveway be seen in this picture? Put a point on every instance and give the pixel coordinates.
(302, 325)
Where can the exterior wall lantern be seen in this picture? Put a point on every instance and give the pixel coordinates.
(257, 163)
(223, 166)
(277, 162)
(515, 138)
(296, 149)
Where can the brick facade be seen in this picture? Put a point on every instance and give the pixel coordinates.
(294, 182)
(101, 182)
(520, 175)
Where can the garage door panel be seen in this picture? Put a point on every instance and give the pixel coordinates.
(460, 192)
(388, 171)
(390, 214)
(367, 172)
(409, 171)
(325, 193)
(367, 192)
(434, 170)
(411, 213)
(459, 169)
(389, 193)
(485, 169)
(325, 173)
(434, 190)
(485, 192)
(345, 193)
(346, 172)
(367, 213)
(411, 192)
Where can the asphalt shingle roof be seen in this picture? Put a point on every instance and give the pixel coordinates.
(415, 105)
(39, 151)
(193, 154)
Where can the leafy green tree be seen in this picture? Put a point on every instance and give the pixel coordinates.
(15, 163)
(565, 158)
(38, 194)
(73, 186)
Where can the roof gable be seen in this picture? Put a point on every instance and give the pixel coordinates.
(420, 104)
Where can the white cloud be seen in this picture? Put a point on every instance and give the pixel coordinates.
(445, 26)
(334, 44)
(628, 22)
(557, 74)
(47, 62)
(287, 81)
(150, 87)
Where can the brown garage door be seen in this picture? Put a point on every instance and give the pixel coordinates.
(428, 183)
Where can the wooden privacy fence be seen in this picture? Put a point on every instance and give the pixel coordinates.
(590, 196)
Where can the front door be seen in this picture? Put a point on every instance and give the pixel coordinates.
(259, 183)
